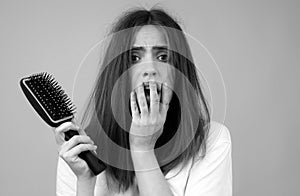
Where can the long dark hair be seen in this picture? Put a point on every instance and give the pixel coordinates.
(187, 123)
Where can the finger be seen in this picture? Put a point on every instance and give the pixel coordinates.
(142, 100)
(80, 129)
(164, 109)
(65, 127)
(166, 96)
(60, 130)
(134, 106)
(154, 99)
(73, 153)
(75, 140)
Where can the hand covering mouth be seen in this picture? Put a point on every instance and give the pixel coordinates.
(147, 90)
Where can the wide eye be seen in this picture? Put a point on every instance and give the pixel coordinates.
(135, 58)
(163, 58)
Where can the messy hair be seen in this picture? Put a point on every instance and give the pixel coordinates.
(184, 134)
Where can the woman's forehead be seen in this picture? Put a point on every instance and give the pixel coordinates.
(149, 36)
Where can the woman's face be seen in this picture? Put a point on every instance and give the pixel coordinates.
(149, 56)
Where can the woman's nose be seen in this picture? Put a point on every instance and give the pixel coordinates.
(149, 72)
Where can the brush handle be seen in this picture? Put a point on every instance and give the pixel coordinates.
(94, 163)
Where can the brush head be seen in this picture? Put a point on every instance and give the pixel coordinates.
(48, 98)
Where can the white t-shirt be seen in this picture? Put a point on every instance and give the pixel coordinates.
(211, 176)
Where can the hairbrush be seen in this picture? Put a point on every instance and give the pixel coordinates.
(55, 107)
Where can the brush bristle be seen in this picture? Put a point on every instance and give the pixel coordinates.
(48, 92)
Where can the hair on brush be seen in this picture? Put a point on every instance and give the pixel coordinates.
(54, 106)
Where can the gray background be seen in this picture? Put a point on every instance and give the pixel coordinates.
(255, 43)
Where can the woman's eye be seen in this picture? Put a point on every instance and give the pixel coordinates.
(163, 58)
(135, 58)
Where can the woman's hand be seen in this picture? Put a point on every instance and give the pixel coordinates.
(69, 150)
(147, 125)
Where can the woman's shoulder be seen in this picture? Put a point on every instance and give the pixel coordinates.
(217, 133)
(212, 174)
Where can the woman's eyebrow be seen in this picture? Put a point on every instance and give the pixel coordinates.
(143, 49)
(160, 48)
(138, 48)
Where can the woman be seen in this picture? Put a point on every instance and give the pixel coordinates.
(147, 101)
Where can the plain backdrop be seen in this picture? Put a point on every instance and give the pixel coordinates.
(255, 43)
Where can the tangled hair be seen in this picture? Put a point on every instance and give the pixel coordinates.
(184, 137)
